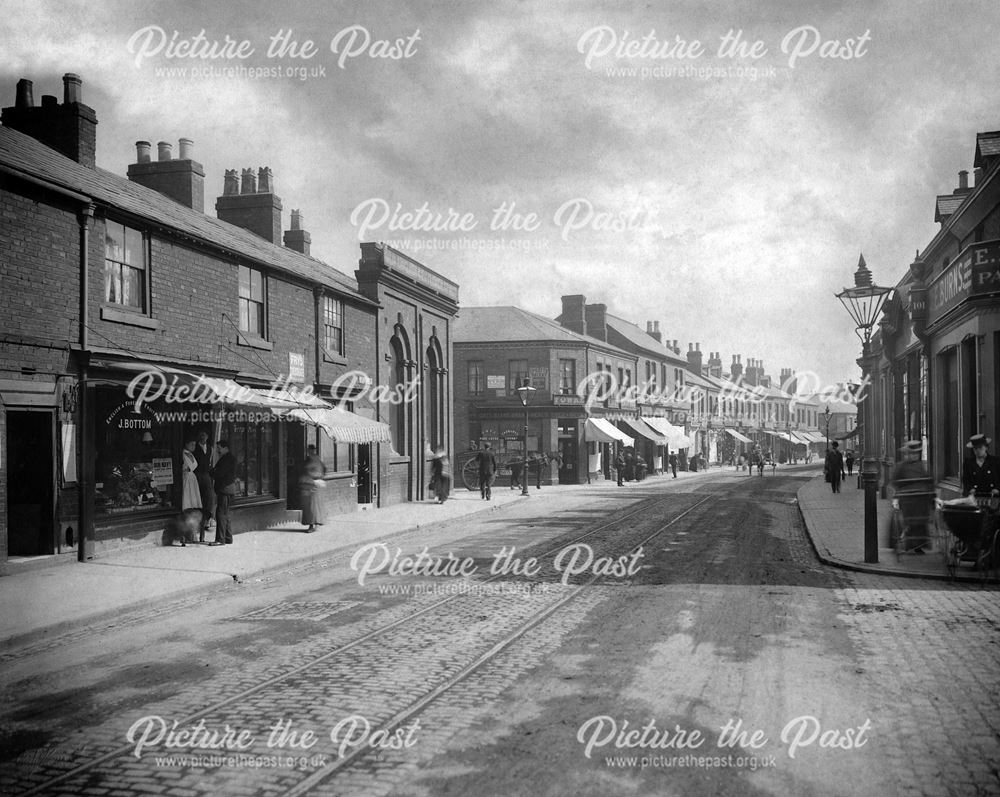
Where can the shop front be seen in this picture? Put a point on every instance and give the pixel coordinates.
(603, 441)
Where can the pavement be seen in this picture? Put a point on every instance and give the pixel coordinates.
(41, 602)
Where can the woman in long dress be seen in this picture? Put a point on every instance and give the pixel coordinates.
(441, 475)
(190, 491)
(310, 482)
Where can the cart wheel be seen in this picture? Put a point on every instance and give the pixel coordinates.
(470, 475)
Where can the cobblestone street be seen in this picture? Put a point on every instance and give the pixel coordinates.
(728, 661)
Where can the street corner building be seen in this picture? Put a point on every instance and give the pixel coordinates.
(221, 324)
(933, 365)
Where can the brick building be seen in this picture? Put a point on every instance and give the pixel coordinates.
(104, 279)
(496, 348)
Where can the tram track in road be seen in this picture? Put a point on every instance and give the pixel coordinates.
(620, 530)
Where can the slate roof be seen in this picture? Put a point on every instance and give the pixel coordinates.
(635, 335)
(987, 146)
(507, 324)
(947, 204)
(24, 154)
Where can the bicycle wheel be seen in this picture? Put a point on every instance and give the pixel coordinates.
(470, 475)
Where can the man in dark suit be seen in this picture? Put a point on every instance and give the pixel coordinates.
(835, 466)
(487, 464)
(224, 475)
(203, 456)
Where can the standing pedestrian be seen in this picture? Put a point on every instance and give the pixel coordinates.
(515, 474)
(310, 484)
(190, 493)
(486, 463)
(224, 477)
(203, 456)
(441, 475)
(849, 461)
(620, 467)
(672, 460)
(834, 466)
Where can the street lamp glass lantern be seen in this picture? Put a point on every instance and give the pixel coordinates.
(864, 301)
(525, 391)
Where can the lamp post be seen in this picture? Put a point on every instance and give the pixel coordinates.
(524, 393)
(864, 302)
(826, 415)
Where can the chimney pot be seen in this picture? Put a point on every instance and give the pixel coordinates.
(71, 88)
(25, 96)
(963, 180)
(649, 327)
(164, 150)
(185, 149)
(231, 183)
(49, 101)
(248, 182)
(265, 180)
(296, 220)
(142, 149)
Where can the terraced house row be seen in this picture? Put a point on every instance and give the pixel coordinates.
(105, 278)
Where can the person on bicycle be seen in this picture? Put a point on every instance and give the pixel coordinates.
(487, 465)
(981, 471)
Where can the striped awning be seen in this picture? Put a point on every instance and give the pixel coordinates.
(741, 437)
(344, 426)
(674, 434)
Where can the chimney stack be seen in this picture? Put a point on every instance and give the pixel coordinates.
(182, 179)
(70, 128)
(653, 329)
(297, 238)
(597, 324)
(574, 316)
(694, 358)
(256, 207)
(736, 370)
(963, 183)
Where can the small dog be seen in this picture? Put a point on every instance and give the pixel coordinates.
(182, 528)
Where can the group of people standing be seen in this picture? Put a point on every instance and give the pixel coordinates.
(209, 487)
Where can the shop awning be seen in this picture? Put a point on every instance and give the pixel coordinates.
(853, 433)
(741, 437)
(674, 434)
(644, 430)
(344, 426)
(598, 430)
(800, 438)
(303, 400)
(813, 437)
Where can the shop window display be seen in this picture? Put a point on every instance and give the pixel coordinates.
(135, 465)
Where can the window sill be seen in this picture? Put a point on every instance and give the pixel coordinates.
(398, 459)
(254, 342)
(133, 318)
(336, 359)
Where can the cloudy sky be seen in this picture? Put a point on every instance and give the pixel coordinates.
(726, 194)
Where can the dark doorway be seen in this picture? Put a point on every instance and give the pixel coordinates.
(365, 492)
(30, 472)
(295, 456)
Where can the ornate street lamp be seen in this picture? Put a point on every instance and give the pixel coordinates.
(864, 302)
(524, 392)
(826, 414)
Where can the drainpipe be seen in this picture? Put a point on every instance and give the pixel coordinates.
(85, 511)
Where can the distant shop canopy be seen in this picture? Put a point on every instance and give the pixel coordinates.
(741, 437)
(644, 430)
(674, 434)
(598, 430)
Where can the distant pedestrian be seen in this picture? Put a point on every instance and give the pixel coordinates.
(486, 464)
(849, 461)
(834, 466)
(224, 477)
(310, 483)
(441, 475)
(620, 467)
(672, 459)
(515, 474)
(203, 473)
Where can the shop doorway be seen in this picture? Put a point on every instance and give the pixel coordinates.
(30, 478)
(366, 490)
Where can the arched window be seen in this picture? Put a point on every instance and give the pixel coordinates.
(397, 413)
(435, 394)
